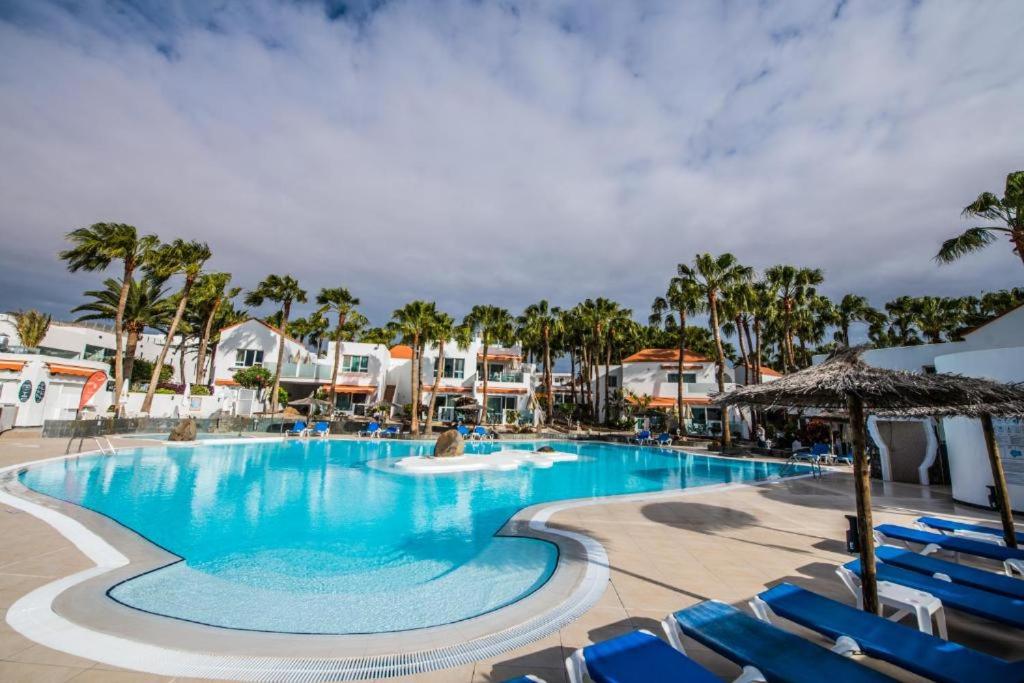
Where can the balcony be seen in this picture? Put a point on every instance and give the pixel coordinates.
(507, 377)
(306, 371)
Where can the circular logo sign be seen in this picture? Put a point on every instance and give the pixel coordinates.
(40, 392)
(24, 391)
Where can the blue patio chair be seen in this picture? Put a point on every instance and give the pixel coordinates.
(1012, 558)
(322, 429)
(664, 439)
(463, 430)
(480, 433)
(390, 432)
(372, 429)
(638, 657)
(298, 429)
(642, 437)
(991, 606)
(957, 573)
(856, 631)
(976, 531)
(762, 648)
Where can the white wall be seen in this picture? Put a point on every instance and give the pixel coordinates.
(968, 459)
(61, 392)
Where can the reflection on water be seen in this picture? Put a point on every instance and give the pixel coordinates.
(305, 536)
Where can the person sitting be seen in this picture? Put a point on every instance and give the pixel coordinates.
(761, 437)
(797, 445)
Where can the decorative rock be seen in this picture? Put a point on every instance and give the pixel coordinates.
(449, 444)
(545, 449)
(184, 431)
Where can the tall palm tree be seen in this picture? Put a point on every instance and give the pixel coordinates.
(541, 322)
(851, 309)
(378, 335)
(227, 315)
(793, 286)
(900, 321)
(1008, 209)
(284, 290)
(213, 291)
(177, 257)
(32, 327)
(443, 330)
(413, 323)
(682, 298)
(936, 316)
(339, 301)
(713, 274)
(147, 305)
(494, 325)
(618, 327)
(95, 248)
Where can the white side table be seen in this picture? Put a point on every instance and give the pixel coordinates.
(924, 606)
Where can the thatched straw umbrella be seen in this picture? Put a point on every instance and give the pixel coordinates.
(845, 382)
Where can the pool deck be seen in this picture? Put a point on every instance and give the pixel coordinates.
(665, 553)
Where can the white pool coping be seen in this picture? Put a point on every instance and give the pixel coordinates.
(33, 615)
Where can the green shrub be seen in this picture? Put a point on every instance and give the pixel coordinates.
(200, 390)
(142, 371)
(165, 390)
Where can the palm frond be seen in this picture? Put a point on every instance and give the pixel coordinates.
(971, 240)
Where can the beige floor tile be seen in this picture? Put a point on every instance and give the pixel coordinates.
(16, 672)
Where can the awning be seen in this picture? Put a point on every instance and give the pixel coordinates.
(499, 357)
(491, 391)
(226, 383)
(56, 369)
(666, 402)
(15, 365)
(352, 388)
(447, 390)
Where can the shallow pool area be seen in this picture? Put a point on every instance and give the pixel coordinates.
(324, 536)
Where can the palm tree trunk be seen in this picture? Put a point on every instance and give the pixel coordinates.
(204, 342)
(548, 383)
(607, 370)
(213, 361)
(720, 370)
(743, 349)
(681, 384)
(439, 370)
(484, 411)
(147, 403)
(999, 480)
(419, 383)
(285, 311)
(414, 381)
(757, 349)
(122, 302)
(862, 488)
(332, 393)
(181, 360)
(131, 345)
(572, 374)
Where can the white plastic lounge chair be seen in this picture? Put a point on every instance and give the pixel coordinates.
(976, 531)
(891, 534)
(951, 571)
(635, 657)
(856, 631)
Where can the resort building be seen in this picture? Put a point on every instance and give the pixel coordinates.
(909, 448)
(35, 387)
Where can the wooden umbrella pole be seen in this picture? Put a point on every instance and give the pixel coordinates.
(862, 486)
(999, 481)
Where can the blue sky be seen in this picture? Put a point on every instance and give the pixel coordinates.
(501, 152)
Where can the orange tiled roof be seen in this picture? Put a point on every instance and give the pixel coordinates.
(401, 352)
(769, 371)
(663, 356)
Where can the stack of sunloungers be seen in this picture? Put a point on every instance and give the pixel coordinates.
(913, 580)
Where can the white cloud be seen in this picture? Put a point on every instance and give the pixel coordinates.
(504, 152)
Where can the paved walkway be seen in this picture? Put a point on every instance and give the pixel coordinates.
(665, 554)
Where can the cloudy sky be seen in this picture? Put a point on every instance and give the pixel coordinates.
(506, 151)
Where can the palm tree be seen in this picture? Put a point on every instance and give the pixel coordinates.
(284, 290)
(713, 275)
(95, 248)
(934, 316)
(213, 291)
(378, 335)
(147, 305)
(227, 315)
(178, 257)
(413, 322)
(443, 330)
(852, 308)
(792, 286)
(619, 327)
(340, 301)
(1008, 209)
(32, 327)
(900, 321)
(494, 325)
(541, 322)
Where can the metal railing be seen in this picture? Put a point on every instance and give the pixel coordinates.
(300, 370)
(43, 351)
(511, 377)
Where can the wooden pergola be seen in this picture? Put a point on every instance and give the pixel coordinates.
(845, 382)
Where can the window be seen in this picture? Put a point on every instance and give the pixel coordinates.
(246, 358)
(497, 404)
(688, 377)
(99, 353)
(613, 382)
(454, 368)
(355, 363)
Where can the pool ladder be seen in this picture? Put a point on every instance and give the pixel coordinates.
(104, 441)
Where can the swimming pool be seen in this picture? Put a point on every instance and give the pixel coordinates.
(323, 536)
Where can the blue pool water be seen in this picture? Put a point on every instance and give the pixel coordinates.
(311, 536)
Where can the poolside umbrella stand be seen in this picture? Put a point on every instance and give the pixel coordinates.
(845, 382)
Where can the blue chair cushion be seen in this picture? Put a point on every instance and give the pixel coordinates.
(923, 654)
(964, 598)
(639, 657)
(778, 654)
(959, 573)
(951, 525)
(955, 543)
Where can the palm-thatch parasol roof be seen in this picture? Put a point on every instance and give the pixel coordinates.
(845, 381)
(888, 393)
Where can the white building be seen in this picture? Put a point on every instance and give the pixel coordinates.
(47, 387)
(994, 350)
